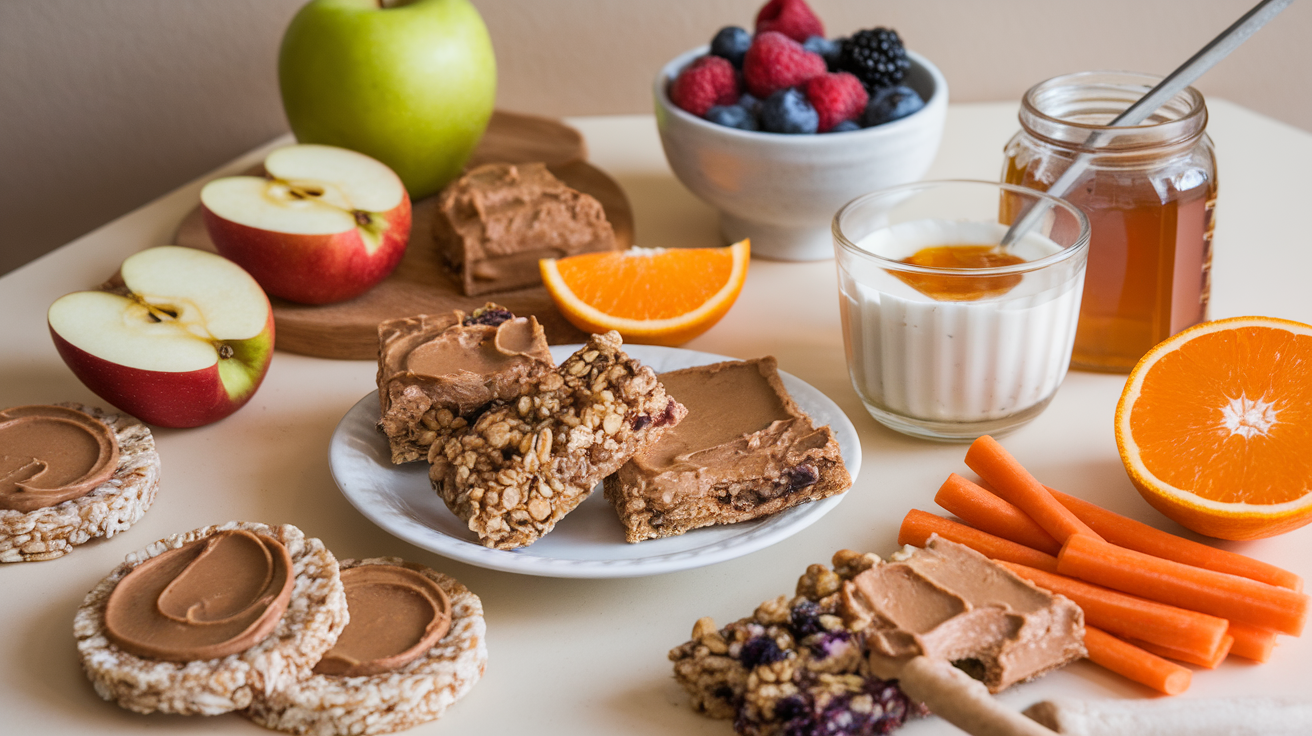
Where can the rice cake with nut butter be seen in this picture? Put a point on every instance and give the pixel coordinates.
(70, 473)
(745, 450)
(198, 623)
(416, 644)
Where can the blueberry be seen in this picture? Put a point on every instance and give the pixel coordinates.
(845, 126)
(891, 103)
(800, 476)
(828, 644)
(733, 116)
(490, 317)
(828, 50)
(787, 111)
(750, 104)
(761, 650)
(731, 42)
(805, 619)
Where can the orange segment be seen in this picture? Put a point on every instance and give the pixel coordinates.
(1215, 427)
(655, 296)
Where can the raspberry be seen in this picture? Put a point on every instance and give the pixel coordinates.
(776, 62)
(708, 81)
(836, 98)
(793, 18)
(876, 57)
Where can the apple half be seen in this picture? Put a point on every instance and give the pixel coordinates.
(324, 225)
(185, 342)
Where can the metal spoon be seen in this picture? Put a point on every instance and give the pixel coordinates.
(1185, 75)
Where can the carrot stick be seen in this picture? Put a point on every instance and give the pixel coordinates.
(1252, 642)
(1217, 593)
(1208, 662)
(1129, 661)
(1195, 634)
(1141, 537)
(1014, 483)
(980, 508)
(918, 525)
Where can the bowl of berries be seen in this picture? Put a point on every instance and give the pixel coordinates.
(780, 127)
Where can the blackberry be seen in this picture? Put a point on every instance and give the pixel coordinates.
(876, 56)
(731, 42)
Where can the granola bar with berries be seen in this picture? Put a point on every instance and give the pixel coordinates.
(434, 371)
(795, 666)
(525, 463)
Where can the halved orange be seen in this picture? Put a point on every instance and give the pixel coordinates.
(1215, 427)
(656, 296)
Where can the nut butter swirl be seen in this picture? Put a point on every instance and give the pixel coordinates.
(397, 614)
(52, 454)
(479, 349)
(210, 598)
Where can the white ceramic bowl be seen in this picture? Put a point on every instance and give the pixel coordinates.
(782, 190)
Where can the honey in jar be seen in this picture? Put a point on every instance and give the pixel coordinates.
(1148, 191)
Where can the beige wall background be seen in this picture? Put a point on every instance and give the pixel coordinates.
(107, 104)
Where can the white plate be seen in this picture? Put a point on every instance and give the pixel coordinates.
(589, 542)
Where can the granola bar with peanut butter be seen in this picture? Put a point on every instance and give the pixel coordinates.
(796, 665)
(524, 463)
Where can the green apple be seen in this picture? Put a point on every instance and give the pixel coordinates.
(411, 84)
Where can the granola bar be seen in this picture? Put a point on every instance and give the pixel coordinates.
(434, 371)
(496, 222)
(747, 450)
(525, 463)
(794, 666)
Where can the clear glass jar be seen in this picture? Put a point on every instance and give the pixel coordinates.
(1149, 192)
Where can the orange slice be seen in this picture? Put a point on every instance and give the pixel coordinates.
(656, 296)
(1215, 427)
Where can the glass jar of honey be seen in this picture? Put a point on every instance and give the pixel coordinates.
(1148, 190)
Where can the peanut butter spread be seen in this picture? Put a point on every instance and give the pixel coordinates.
(397, 614)
(740, 423)
(477, 350)
(948, 602)
(52, 454)
(497, 221)
(213, 597)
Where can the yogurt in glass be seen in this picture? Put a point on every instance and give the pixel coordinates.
(953, 352)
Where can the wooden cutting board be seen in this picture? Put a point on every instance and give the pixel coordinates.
(421, 284)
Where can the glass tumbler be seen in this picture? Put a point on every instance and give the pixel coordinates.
(948, 334)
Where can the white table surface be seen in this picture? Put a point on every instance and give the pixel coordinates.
(585, 657)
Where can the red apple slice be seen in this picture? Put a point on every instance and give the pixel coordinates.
(325, 225)
(188, 344)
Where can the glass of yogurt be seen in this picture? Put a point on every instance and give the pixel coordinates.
(949, 334)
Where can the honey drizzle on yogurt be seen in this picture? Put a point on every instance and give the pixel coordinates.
(956, 288)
